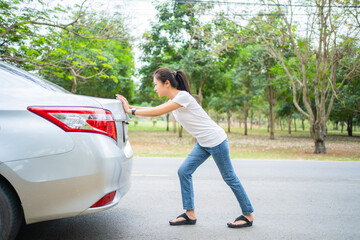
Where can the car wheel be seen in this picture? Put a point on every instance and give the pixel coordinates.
(11, 215)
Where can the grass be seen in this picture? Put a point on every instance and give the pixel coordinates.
(150, 140)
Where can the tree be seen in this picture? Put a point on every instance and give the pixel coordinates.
(233, 55)
(253, 64)
(87, 51)
(326, 43)
(347, 104)
(97, 67)
(228, 100)
(180, 40)
(246, 81)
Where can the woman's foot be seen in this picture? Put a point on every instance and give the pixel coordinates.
(242, 221)
(191, 217)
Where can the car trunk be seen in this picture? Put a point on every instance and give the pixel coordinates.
(121, 118)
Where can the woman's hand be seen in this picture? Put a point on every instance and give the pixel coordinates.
(125, 103)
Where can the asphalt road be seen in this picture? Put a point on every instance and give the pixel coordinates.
(292, 200)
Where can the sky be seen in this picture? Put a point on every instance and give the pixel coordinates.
(138, 12)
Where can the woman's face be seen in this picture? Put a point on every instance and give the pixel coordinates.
(159, 87)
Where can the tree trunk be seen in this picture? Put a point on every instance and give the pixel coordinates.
(167, 121)
(246, 111)
(302, 124)
(200, 96)
(180, 131)
(295, 124)
(281, 124)
(174, 125)
(342, 126)
(289, 124)
(252, 119)
(73, 89)
(349, 126)
(318, 133)
(335, 125)
(271, 104)
(260, 123)
(228, 113)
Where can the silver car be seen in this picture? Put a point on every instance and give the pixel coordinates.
(61, 154)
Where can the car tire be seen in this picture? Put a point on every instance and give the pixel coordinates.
(11, 215)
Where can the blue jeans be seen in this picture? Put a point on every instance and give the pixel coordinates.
(220, 154)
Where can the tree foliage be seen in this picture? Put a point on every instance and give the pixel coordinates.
(317, 56)
(180, 40)
(85, 52)
(269, 61)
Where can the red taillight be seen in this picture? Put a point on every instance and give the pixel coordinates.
(108, 198)
(106, 126)
(79, 119)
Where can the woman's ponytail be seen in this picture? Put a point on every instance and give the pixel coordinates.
(177, 79)
(183, 82)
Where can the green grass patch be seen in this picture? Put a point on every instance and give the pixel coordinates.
(149, 140)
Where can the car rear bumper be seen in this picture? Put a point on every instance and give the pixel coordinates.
(68, 184)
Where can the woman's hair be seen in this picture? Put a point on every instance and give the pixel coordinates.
(177, 79)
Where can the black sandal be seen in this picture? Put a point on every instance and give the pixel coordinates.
(242, 217)
(187, 221)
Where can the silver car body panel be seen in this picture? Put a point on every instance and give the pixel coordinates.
(55, 173)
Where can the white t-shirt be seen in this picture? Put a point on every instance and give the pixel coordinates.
(196, 121)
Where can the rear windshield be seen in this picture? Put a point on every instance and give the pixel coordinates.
(12, 77)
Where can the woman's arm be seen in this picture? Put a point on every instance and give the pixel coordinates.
(158, 110)
(131, 106)
(149, 111)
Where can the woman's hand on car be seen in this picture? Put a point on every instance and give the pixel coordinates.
(125, 103)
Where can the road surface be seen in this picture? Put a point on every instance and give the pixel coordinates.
(292, 200)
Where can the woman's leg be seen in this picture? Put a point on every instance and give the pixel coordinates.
(195, 158)
(221, 156)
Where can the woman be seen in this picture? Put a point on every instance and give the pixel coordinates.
(211, 140)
